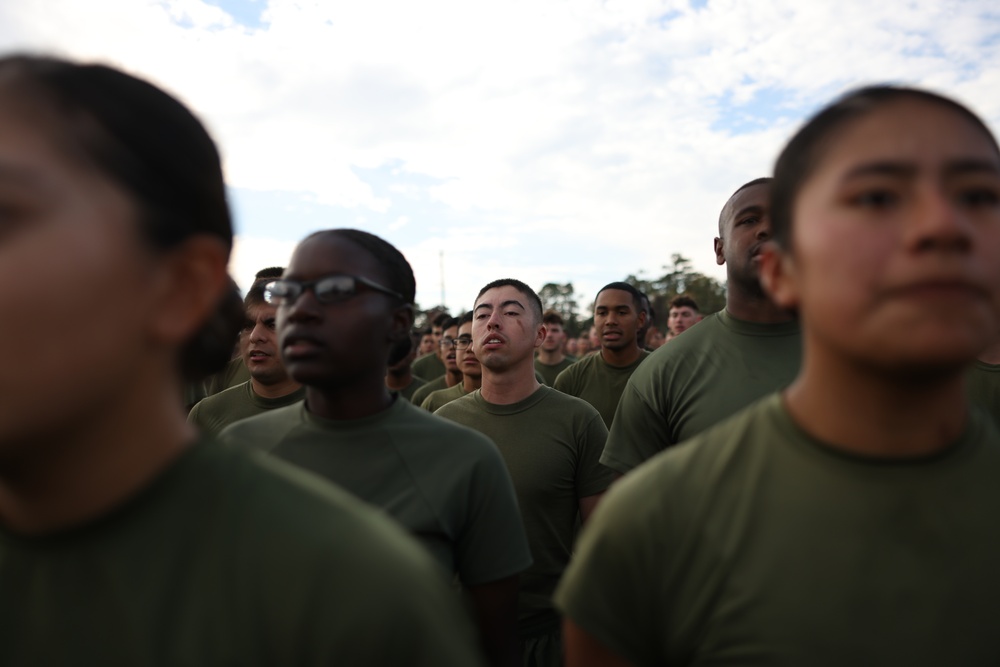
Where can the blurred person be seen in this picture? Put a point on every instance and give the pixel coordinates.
(431, 365)
(468, 364)
(124, 538)
(552, 358)
(399, 377)
(449, 360)
(869, 484)
(683, 314)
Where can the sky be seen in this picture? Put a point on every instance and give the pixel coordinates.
(550, 141)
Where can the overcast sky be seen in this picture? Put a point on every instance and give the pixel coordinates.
(548, 141)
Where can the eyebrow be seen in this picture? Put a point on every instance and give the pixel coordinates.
(907, 169)
(753, 208)
(503, 304)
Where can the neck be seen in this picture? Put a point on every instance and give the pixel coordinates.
(274, 390)
(863, 411)
(991, 355)
(397, 380)
(87, 465)
(470, 383)
(623, 357)
(551, 357)
(753, 305)
(357, 400)
(510, 385)
(451, 378)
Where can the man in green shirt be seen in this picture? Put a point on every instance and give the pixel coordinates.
(399, 375)
(726, 362)
(269, 386)
(431, 366)
(600, 378)
(343, 303)
(452, 375)
(551, 359)
(683, 314)
(852, 517)
(472, 371)
(550, 442)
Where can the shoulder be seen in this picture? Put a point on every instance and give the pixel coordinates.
(264, 430)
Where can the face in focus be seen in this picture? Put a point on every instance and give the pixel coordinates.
(555, 336)
(682, 318)
(895, 259)
(339, 344)
(746, 226)
(505, 331)
(446, 349)
(616, 319)
(259, 345)
(77, 278)
(468, 363)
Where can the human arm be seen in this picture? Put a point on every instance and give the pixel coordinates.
(582, 650)
(587, 505)
(494, 606)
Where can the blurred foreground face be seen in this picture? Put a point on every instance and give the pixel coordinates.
(74, 275)
(896, 239)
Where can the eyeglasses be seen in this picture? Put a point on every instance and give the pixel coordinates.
(329, 289)
(460, 343)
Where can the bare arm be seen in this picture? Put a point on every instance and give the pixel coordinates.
(582, 650)
(495, 608)
(587, 505)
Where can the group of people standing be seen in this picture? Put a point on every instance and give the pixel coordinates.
(801, 478)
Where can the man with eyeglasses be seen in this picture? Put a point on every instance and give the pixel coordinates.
(446, 353)
(344, 301)
(468, 366)
(269, 386)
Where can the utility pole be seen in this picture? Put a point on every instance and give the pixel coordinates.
(441, 257)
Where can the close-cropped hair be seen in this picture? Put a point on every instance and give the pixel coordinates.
(448, 323)
(465, 318)
(393, 263)
(804, 151)
(152, 147)
(552, 317)
(271, 272)
(533, 298)
(684, 301)
(763, 180)
(625, 287)
(440, 318)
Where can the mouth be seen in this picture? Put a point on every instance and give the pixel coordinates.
(492, 342)
(257, 355)
(299, 347)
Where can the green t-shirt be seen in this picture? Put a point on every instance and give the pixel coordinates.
(228, 559)
(442, 396)
(421, 394)
(428, 366)
(756, 544)
(549, 372)
(214, 413)
(445, 484)
(235, 373)
(415, 384)
(697, 380)
(597, 382)
(551, 443)
(984, 388)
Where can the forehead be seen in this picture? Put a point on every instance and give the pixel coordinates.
(465, 328)
(451, 332)
(682, 310)
(613, 298)
(329, 254)
(754, 197)
(261, 311)
(495, 296)
(918, 132)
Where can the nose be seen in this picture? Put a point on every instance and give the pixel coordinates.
(305, 308)
(259, 332)
(764, 228)
(938, 223)
(494, 321)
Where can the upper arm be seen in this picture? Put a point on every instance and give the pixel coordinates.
(587, 505)
(582, 650)
(638, 432)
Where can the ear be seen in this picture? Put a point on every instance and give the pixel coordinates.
(720, 259)
(540, 335)
(778, 276)
(189, 286)
(642, 318)
(402, 322)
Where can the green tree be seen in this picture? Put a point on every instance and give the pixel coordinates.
(562, 299)
(680, 278)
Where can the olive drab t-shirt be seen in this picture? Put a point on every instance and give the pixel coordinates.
(984, 388)
(421, 394)
(598, 382)
(756, 544)
(415, 384)
(429, 366)
(549, 373)
(229, 559)
(447, 485)
(551, 443)
(443, 396)
(214, 413)
(698, 379)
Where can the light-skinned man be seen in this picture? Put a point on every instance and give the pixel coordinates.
(551, 359)
(468, 364)
(600, 378)
(683, 314)
(551, 443)
(449, 360)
